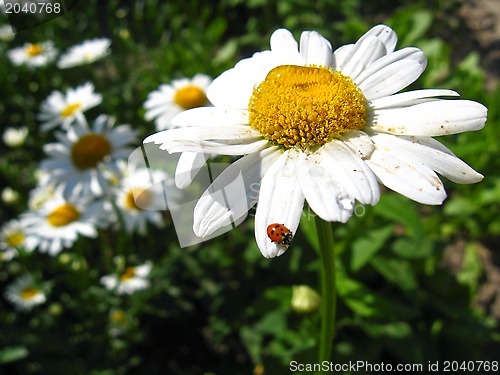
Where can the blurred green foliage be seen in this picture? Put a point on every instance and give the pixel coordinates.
(409, 277)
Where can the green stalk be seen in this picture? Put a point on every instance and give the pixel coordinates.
(328, 289)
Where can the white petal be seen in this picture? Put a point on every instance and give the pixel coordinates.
(315, 49)
(188, 166)
(210, 116)
(322, 191)
(405, 99)
(413, 180)
(385, 34)
(341, 55)
(221, 140)
(360, 143)
(351, 173)
(439, 117)
(431, 153)
(391, 73)
(213, 211)
(280, 201)
(234, 87)
(284, 48)
(364, 52)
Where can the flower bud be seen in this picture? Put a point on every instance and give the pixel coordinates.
(305, 300)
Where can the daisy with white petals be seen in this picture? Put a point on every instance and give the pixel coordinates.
(130, 280)
(85, 53)
(13, 237)
(25, 293)
(139, 201)
(57, 224)
(323, 127)
(169, 100)
(63, 109)
(78, 162)
(33, 55)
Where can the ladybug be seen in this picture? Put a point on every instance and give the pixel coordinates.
(280, 234)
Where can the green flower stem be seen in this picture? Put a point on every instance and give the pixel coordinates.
(328, 289)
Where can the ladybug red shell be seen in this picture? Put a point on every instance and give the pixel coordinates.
(279, 234)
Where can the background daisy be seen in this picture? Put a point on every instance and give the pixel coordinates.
(63, 109)
(57, 224)
(131, 280)
(33, 55)
(25, 293)
(85, 53)
(169, 100)
(77, 162)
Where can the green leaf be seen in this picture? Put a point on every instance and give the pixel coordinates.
(12, 354)
(365, 248)
(401, 210)
(412, 248)
(396, 271)
(471, 269)
(252, 339)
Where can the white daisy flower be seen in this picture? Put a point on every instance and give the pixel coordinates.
(85, 53)
(15, 137)
(129, 281)
(63, 109)
(25, 293)
(59, 222)
(33, 55)
(169, 100)
(325, 127)
(77, 162)
(14, 236)
(138, 200)
(6, 33)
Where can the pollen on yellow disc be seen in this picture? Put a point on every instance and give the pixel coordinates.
(28, 293)
(34, 49)
(306, 106)
(63, 215)
(137, 198)
(128, 274)
(15, 239)
(70, 109)
(90, 150)
(190, 96)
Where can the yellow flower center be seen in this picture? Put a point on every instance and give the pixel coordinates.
(137, 198)
(118, 316)
(70, 109)
(28, 293)
(190, 97)
(63, 215)
(90, 150)
(306, 106)
(128, 274)
(34, 49)
(15, 239)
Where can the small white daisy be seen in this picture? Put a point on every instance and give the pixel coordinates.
(77, 162)
(85, 53)
(14, 236)
(33, 55)
(130, 280)
(169, 100)
(6, 33)
(15, 137)
(25, 293)
(138, 199)
(63, 109)
(58, 223)
(324, 127)
(9, 195)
